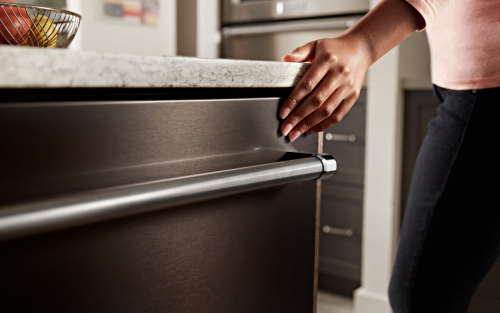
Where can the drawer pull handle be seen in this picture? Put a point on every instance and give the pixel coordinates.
(111, 203)
(339, 137)
(338, 231)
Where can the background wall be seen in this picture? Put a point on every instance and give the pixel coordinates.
(97, 31)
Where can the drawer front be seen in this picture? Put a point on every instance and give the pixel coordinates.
(341, 231)
(346, 142)
(351, 161)
(332, 190)
(343, 214)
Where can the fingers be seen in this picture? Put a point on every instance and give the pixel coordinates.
(312, 103)
(335, 117)
(320, 114)
(306, 85)
(301, 54)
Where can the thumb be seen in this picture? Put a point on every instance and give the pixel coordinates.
(301, 54)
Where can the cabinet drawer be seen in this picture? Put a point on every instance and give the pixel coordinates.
(346, 142)
(340, 255)
(332, 190)
(342, 214)
(339, 268)
(351, 161)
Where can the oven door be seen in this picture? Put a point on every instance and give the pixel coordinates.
(271, 41)
(237, 11)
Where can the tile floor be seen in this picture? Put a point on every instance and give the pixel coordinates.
(331, 303)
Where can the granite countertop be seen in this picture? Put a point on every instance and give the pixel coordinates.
(22, 67)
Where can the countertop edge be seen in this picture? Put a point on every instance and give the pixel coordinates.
(23, 67)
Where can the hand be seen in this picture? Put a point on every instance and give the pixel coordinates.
(329, 88)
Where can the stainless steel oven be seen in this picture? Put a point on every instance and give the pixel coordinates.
(238, 11)
(267, 30)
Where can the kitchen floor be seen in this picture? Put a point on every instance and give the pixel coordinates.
(331, 303)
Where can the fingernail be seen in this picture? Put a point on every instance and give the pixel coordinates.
(286, 129)
(294, 135)
(284, 113)
(311, 132)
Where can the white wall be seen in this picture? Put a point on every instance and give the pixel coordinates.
(99, 33)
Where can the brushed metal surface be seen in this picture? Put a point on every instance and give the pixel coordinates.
(248, 253)
(252, 252)
(61, 147)
(237, 11)
(273, 46)
(106, 204)
(291, 26)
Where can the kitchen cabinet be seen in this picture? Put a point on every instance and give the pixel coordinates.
(342, 204)
(71, 140)
(420, 108)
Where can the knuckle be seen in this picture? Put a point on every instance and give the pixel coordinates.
(356, 94)
(323, 113)
(297, 117)
(294, 100)
(308, 85)
(343, 69)
(306, 126)
(336, 118)
(330, 57)
(327, 111)
(318, 100)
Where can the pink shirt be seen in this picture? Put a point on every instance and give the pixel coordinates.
(464, 38)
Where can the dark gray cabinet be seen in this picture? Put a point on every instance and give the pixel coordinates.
(342, 204)
(420, 108)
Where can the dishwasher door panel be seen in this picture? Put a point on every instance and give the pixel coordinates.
(253, 252)
(54, 148)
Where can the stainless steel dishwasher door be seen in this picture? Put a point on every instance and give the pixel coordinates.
(253, 252)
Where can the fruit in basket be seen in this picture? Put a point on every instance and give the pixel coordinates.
(15, 23)
(44, 32)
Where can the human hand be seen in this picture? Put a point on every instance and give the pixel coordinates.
(329, 88)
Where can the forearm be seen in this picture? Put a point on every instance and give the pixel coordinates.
(384, 27)
(332, 84)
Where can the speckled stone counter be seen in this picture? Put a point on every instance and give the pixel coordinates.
(22, 67)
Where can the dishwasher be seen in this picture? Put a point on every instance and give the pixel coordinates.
(177, 201)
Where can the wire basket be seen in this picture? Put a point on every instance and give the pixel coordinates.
(34, 26)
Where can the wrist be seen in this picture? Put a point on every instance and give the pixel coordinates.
(361, 46)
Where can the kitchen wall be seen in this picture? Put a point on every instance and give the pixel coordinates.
(101, 33)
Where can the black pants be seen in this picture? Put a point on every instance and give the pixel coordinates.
(451, 231)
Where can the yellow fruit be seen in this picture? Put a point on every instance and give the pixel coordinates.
(45, 34)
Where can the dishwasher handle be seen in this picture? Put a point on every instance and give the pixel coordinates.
(112, 203)
(279, 27)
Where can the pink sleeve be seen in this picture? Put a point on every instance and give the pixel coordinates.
(428, 8)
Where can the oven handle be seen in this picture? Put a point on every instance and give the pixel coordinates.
(278, 27)
(111, 203)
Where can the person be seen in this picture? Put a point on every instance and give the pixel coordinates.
(450, 236)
